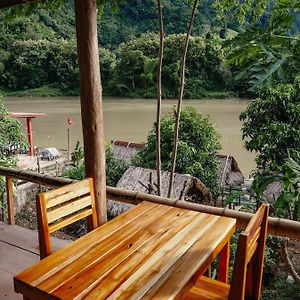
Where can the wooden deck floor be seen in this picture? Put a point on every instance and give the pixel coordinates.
(18, 250)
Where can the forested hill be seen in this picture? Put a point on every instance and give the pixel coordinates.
(133, 18)
(38, 51)
(140, 16)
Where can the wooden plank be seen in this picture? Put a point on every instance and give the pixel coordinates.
(68, 208)
(26, 239)
(67, 221)
(45, 244)
(67, 192)
(10, 200)
(103, 278)
(92, 222)
(157, 263)
(73, 250)
(209, 289)
(254, 224)
(177, 281)
(90, 267)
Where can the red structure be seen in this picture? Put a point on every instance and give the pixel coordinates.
(28, 117)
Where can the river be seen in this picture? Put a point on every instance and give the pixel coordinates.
(130, 120)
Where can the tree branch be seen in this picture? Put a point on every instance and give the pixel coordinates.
(158, 112)
(182, 84)
(288, 262)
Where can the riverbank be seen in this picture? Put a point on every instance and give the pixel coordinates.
(130, 120)
(56, 91)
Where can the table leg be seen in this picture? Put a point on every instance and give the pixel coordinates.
(224, 263)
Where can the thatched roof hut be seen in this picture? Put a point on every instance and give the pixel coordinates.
(186, 187)
(229, 172)
(125, 150)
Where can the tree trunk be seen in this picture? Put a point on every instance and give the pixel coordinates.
(91, 100)
(158, 112)
(288, 262)
(179, 104)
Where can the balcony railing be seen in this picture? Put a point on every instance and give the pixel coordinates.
(276, 226)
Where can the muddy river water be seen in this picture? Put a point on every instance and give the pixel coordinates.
(130, 120)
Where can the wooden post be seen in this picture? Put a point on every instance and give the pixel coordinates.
(29, 136)
(69, 147)
(91, 100)
(10, 200)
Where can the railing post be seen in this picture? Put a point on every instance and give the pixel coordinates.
(10, 200)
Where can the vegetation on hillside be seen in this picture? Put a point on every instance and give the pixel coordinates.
(39, 51)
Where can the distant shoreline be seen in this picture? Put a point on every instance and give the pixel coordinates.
(49, 91)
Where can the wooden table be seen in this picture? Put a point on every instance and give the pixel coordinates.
(152, 252)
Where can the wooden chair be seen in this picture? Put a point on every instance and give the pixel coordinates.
(63, 206)
(248, 266)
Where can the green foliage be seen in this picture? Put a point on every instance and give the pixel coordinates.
(197, 148)
(135, 71)
(42, 63)
(10, 133)
(268, 52)
(76, 172)
(78, 155)
(114, 168)
(287, 205)
(272, 125)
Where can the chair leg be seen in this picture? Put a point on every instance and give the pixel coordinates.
(224, 263)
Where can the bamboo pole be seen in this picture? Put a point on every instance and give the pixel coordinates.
(91, 100)
(277, 226)
(180, 99)
(35, 177)
(10, 200)
(159, 95)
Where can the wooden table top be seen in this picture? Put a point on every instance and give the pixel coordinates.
(152, 251)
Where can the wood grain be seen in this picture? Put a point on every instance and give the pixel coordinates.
(247, 273)
(91, 100)
(149, 252)
(63, 206)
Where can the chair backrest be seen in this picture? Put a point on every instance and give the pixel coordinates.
(63, 206)
(248, 266)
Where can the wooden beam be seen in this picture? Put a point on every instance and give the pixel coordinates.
(91, 100)
(277, 226)
(11, 3)
(30, 176)
(10, 200)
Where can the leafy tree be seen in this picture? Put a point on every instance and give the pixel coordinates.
(32, 64)
(197, 148)
(267, 52)
(204, 67)
(10, 133)
(272, 125)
